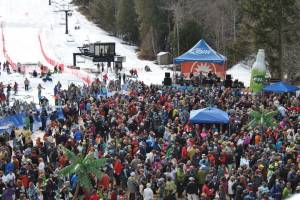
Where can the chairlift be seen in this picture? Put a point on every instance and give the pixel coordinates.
(70, 38)
(81, 60)
(77, 25)
(86, 43)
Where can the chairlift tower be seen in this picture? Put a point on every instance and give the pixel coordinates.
(67, 11)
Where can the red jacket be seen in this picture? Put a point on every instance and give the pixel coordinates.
(205, 189)
(105, 181)
(94, 197)
(118, 167)
(184, 152)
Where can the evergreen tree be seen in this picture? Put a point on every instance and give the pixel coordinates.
(103, 12)
(190, 33)
(271, 24)
(152, 26)
(127, 24)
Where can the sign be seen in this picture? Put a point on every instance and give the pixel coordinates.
(204, 67)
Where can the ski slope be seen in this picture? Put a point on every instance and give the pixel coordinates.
(24, 22)
(241, 72)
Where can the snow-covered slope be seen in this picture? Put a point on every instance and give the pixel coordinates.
(241, 72)
(24, 21)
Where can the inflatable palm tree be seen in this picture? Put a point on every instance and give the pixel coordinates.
(84, 167)
(262, 118)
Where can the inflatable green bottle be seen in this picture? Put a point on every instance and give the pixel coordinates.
(258, 72)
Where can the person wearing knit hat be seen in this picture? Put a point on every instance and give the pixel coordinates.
(192, 189)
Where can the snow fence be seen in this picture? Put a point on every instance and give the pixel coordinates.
(84, 76)
(6, 56)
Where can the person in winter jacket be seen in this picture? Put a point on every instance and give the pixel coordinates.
(180, 180)
(117, 170)
(148, 193)
(192, 189)
(276, 191)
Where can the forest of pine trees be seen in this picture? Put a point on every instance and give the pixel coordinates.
(235, 28)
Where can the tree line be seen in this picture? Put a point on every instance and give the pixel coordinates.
(235, 28)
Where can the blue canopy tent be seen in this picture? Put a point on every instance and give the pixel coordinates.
(209, 116)
(202, 58)
(201, 52)
(280, 87)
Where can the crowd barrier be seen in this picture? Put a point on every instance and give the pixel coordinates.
(6, 56)
(18, 120)
(84, 76)
(15, 120)
(49, 60)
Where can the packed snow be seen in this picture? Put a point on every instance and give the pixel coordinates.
(241, 72)
(24, 21)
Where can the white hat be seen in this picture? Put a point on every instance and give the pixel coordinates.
(148, 185)
(191, 178)
(161, 179)
(132, 174)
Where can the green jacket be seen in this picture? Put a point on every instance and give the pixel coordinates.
(201, 176)
(170, 187)
(286, 193)
(180, 176)
(27, 123)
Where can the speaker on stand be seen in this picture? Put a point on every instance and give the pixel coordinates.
(228, 81)
(167, 80)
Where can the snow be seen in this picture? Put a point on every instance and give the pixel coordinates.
(162, 53)
(20, 49)
(241, 72)
(32, 94)
(23, 23)
(59, 48)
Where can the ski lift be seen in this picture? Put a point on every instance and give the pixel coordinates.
(86, 43)
(77, 25)
(80, 60)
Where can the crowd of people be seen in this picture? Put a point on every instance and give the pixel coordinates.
(152, 150)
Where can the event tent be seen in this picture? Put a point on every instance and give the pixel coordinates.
(209, 116)
(280, 87)
(202, 58)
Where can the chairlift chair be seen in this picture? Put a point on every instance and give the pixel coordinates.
(70, 38)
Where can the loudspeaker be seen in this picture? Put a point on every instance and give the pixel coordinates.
(167, 75)
(167, 81)
(228, 76)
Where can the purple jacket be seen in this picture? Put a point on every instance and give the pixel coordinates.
(8, 193)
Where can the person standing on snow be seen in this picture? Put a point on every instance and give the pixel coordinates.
(105, 78)
(15, 88)
(124, 78)
(26, 84)
(102, 67)
(8, 89)
(40, 91)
